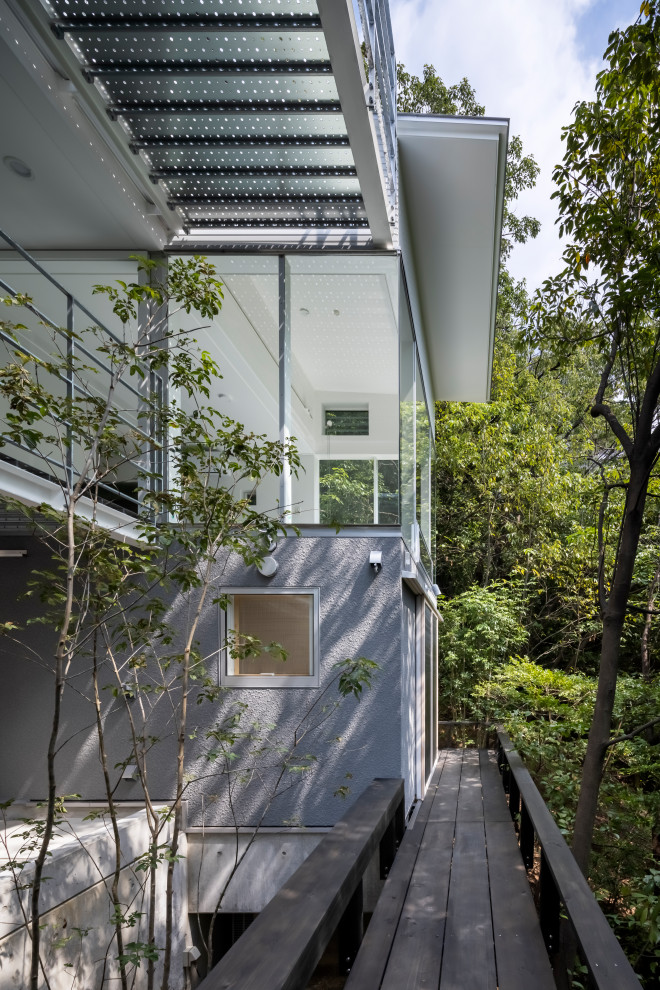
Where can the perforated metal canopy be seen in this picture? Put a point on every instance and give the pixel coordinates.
(232, 104)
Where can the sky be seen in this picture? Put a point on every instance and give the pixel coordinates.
(528, 60)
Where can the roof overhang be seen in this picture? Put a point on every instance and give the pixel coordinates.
(451, 181)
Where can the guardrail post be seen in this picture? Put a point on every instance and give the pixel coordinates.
(390, 841)
(350, 930)
(505, 770)
(514, 797)
(526, 837)
(549, 906)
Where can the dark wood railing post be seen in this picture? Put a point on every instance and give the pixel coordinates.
(514, 796)
(350, 931)
(526, 835)
(505, 770)
(549, 906)
(391, 839)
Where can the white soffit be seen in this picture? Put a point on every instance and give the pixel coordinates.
(452, 172)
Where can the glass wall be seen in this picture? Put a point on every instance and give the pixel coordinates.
(243, 339)
(407, 422)
(423, 471)
(417, 448)
(343, 316)
(356, 403)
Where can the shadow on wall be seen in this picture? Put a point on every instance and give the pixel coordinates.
(359, 615)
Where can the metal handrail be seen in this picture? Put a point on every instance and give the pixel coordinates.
(42, 271)
(561, 880)
(73, 386)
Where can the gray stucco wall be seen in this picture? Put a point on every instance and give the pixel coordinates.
(360, 614)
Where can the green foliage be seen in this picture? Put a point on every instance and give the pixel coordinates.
(430, 95)
(548, 714)
(138, 952)
(355, 675)
(481, 629)
(346, 492)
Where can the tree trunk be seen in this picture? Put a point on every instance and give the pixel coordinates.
(613, 619)
(646, 632)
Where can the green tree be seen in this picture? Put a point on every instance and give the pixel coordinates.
(607, 300)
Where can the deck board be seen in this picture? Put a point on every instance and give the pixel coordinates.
(469, 930)
(519, 949)
(456, 910)
(417, 950)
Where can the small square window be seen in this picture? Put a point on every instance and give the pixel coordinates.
(288, 616)
(346, 422)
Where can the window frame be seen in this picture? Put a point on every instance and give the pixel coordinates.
(331, 409)
(229, 679)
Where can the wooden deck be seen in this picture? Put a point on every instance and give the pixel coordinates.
(456, 912)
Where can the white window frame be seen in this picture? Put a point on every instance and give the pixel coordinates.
(229, 679)
(376, 458)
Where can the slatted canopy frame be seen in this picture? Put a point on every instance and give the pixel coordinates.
(232, 105)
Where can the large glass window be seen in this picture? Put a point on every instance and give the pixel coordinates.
(343, 315)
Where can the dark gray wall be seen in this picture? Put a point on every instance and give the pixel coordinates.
(360, 614)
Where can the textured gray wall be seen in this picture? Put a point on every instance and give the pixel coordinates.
(360, 614)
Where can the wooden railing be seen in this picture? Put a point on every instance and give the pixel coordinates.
(282, 946)
(563, 889)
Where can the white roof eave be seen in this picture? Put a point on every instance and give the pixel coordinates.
(452, 172)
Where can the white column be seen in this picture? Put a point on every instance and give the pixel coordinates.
(285, 381)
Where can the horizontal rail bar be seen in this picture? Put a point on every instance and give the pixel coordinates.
(282, 946)
(109, 69)
(80, 349)
(35, 264)
(600, 949)
(190, 107)
(107, 23)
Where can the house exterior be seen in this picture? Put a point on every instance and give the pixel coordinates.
(359, 253)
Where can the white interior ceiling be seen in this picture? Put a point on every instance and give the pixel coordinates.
(344, 333)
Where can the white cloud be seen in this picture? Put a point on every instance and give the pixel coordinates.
(526, 62)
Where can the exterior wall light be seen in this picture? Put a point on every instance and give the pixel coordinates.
(268, 567)
(190, 955)
(376, 560)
